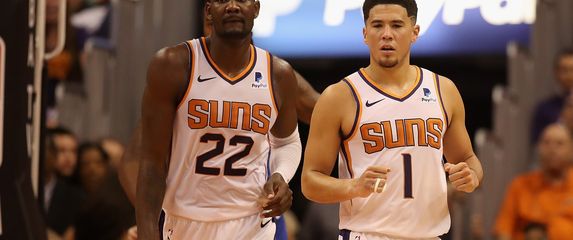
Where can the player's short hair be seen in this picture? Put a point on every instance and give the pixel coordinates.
(410, 6)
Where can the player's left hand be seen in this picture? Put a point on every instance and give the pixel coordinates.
(462, 177)
(276, 197)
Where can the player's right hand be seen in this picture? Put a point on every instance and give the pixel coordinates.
(276, 197)
(364, 185)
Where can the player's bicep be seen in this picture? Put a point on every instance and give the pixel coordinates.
(284, 82)
(324, 137)
(165, 79)
(457, 144)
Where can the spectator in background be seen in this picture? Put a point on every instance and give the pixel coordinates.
(107, 213)
(567, 113)
(66, 146)
(544, 196)
(93, 167)
(547, 111)
(61, 200)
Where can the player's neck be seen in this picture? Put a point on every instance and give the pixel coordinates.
(398, 75)
(231, 55)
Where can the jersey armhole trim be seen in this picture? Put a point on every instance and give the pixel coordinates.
(357, 114)
(346, 157)
(190, 72)
(271, 85)
(442, 106)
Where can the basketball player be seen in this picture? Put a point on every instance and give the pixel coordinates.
(217, 112)
(390, 122)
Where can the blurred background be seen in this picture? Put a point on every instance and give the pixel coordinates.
(70, 103)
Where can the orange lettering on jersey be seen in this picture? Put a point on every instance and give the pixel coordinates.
(373, 143)
(379, 136)
(261, 118)
(421, 129)
(246, 113)
(435, 127)
(388, 135)
(203, 113)
(198, 118)
(214, 114)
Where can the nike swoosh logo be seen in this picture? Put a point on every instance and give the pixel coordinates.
(199, 79)
(370, 104)
(265, 224)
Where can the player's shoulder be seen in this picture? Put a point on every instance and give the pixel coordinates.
(336, 102)
(448, 90)
(168, 68)
(445, 82)
(171, 57)
(339, 92)
(282, 68)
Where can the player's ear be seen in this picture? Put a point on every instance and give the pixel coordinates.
(416, 30)
(364, 35)
(257, 8)
(207, 11)
(415, 34)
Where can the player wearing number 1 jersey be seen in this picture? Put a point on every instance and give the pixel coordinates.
(219, 134)
(390, 124)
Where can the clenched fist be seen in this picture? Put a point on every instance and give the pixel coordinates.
(366, 183)
(462, 177)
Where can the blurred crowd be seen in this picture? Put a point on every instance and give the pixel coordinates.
(539, 204)
(87, 19)
(84, 200)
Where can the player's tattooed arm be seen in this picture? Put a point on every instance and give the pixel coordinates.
(166, 84)
(464, 168)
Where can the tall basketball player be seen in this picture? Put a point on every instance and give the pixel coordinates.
(217, 115)
(391, 122)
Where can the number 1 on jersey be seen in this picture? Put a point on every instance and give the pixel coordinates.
(407, 158)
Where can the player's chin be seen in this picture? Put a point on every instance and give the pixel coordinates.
(388, 62)
(237, 33)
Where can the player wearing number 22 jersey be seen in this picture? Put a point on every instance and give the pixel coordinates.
(219, 134)
(220, 146)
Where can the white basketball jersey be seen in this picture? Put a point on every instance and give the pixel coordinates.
(403, 133)
(220, 149)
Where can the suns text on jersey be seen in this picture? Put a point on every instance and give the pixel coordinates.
(400, 133)
(252, 117)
